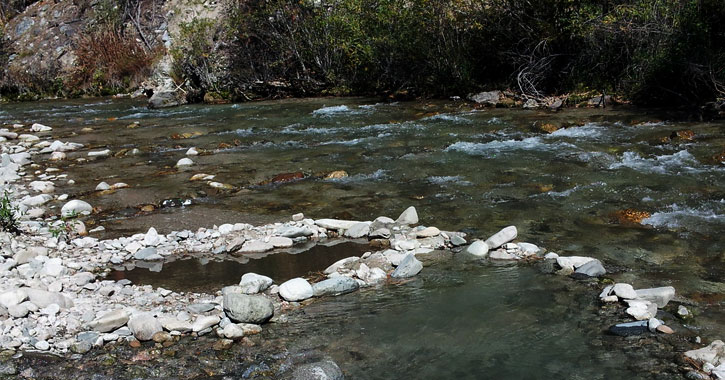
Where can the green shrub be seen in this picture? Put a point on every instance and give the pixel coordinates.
(8, 218)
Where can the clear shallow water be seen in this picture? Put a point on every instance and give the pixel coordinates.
(471, 170)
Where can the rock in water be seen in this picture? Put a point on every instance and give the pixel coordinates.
(625, 291)
(335, 286)
(409, 216)
(502, 237)
(76, 207)
(713, 354)
(324, 370)
(166, 98)
(358, 230)
(489, 98)
(593, 268)
(144, 326)
(248, 309)
(631, 328)
(296, 289)
(253, 283)
(660, 296)
(478, 248)
(409, 267)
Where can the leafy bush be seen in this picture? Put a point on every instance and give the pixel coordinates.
(8, 220)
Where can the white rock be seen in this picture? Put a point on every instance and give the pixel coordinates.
(77, 207)
(103, 186)
(428, 232)
(204, 322)
(57, 156)
(233, 331)
(572, 262)
(298, 217)
(641, 310)
(13, 297)
(409, 216)
(253, 283)
(100, 153)
(478, 248)
(296, 289)
(502, 237)
(37, 200)
(185, 162)
(192, 152)
(225, 229)
(151, 238)
(54, 267)
(256, 246)
(335, 224)
(625, 291)
(339, 263)
(40, 128)
(42, 186)
(280, 242)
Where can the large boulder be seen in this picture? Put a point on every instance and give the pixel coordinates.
(489, 98)
(247, 308)
(167, 98)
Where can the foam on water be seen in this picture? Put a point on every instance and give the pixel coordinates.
(668, 163)
(568, 192)
(443, 180)
(449, 118)
(332, 110)
(677, 216)
(589, 130)
(491, 147)
(240, 132)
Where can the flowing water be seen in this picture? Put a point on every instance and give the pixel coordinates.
(463, 169)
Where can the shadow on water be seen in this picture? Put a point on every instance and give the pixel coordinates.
(204, 275)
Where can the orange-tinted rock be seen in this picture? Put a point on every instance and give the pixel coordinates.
(547, 127)
(336, 174)
(685, 135)
(719, 158)
(665, 329)
(629, 216)
(285, 177)
(134, 343)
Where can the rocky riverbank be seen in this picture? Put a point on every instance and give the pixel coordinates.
(55, 298)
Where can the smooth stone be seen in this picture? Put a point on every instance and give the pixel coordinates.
(428, 232)
(200, 308)
(151, 238)
(103, 186)
(184, 162)
(77, 207)
(625, 291)
(529, 249)
(502, 237)
(478, 248)
(204, 322)
(380, 233)
(296, 289)
(641, 310)
(457, 241)
(630, 328)
(653, 323)
(593, 268)
(100, 153)
(293, 232)
(281, 242)
(42, 345)
(147, 254)
(37, 127)
(144, 326)
(324, 370)
(298, 217)
(335, 224)
(339, 264)
(256, 246)
(335, 286)
(18, 311)
(665, 329)
(660, 296)
(502, 254)
(173, 324)
(408, 217)
(252, 283)
(192, 152)
(43, 298)
(358, 230)
(570, 262)
(233, 331)
(13, 297)
(248, 308)
(409, 267)
(109, 321)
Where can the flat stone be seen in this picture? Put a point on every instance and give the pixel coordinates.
(335, 286)
(252, 283)
(281, 242)
(458, 241)
(570, 262)
(428, 232)
(630, 328)
(296, 289)
(248, 308)
(641, 310)
(478, 248)
(294, 232)
(233, 331)
(502, 237)
(200, 308)
(340, 263)
(660, 296)
(593, 268)
(502, 254)
(109, 321)
(43, 298)
(147, 254)
(204, 322)
(256, 246)
(713, 353)
(173, 324)
(380, 233)
(409, 267)
(408, 217)
(335, 224)
(665, 329)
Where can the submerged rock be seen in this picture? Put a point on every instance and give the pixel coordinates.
(713, 353)
(593, 268)
(660, 296)
(335, 286)
(324, 370)
(630, 328)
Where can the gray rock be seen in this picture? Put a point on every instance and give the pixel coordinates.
(204, 322)
(233, 331)
(76, 207)
(13, 297)
(713, 354)
(324, 370)
(293, 232)
(166, 98)
(144, 326)
(380, 233)
(625, 291)
(81, 347)
(408, 217)
(199, 308)
(335, 224)
(248, 308)
(358, 230)
(88, 336)
(253, 283)
(335, 286)
(502, 237)
(109, 321)
(490, 98)
(43, 298)
(653, 323)
(593, 268)
(660, 296)
(147, 254)
(173, 324)
(8, 368)
(478, 248)
(82, 278)
(458, 241)
(296, 289)
(409, 267)
(256, 246)
(18, 311)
